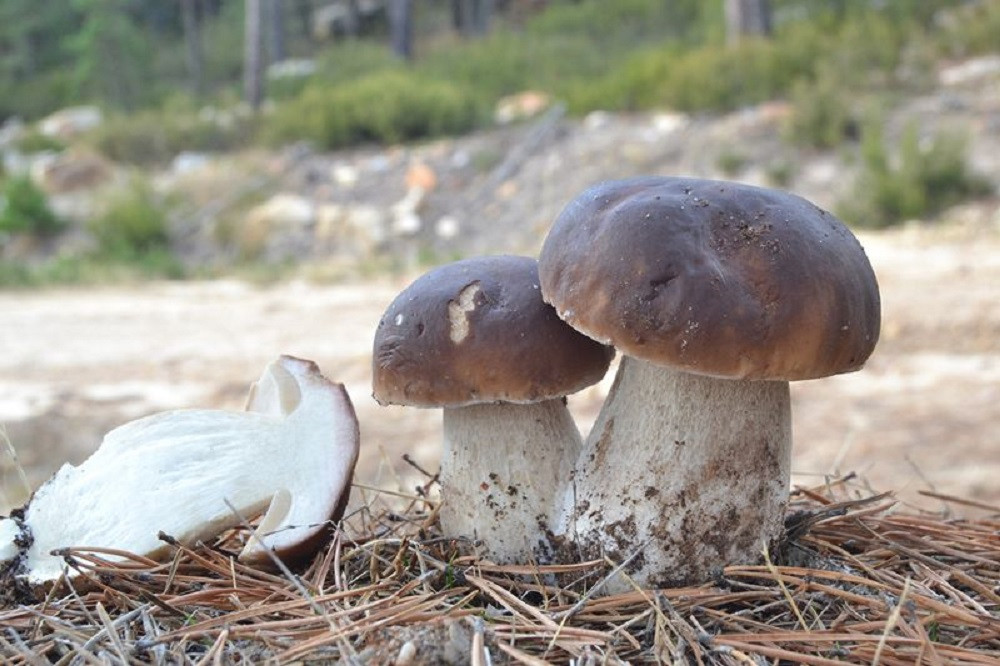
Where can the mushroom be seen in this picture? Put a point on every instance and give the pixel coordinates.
(474, 338)
(292, 453)
(717, 295)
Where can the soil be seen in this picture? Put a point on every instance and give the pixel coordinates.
(921, 415)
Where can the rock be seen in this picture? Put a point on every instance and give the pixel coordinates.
(420, 175)
(283, 211)
(69, 122)
(355, 230)
(971, 71)
(520, 106)
(11, 131)
(596, 120)
(406, 224)
(277, 228)
(292, 68)
(508, 189)
(76, 206)
(667, 123)
(188, 161)
(405, 218)
(70, 171)
(345, 175)
(447, 227)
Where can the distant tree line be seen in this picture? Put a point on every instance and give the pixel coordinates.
(128, 54)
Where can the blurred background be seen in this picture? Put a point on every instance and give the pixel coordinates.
(190, 188)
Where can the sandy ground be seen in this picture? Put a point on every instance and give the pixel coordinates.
(922, 415)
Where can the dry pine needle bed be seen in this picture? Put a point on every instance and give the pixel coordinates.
(858, 581)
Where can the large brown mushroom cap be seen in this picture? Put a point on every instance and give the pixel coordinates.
(714, 278)
(477, 331)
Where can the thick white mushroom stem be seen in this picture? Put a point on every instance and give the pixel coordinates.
(502, 471)
(684, 472)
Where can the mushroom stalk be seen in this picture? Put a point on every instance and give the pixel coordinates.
(502, 471)
(691, 471)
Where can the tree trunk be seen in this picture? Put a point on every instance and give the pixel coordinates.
(276, 30)
(401, 27)
(353, 25)
(303, 13)
(747, 17)
(192, 40)
(253, 64)
(482, 13)
(472, 17)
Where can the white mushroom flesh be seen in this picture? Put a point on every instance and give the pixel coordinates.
(501, 472)
(175, 472)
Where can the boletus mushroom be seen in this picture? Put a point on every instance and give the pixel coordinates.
(717, 295)
(291, 453)
(474, 338)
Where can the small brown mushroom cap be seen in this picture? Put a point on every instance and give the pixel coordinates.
(714, 278)
(477, 331)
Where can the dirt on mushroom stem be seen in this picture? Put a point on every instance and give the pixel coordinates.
(682, 473)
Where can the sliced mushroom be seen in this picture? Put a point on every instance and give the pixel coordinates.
(292, 453)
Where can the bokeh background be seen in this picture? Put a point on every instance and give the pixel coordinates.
(190, 188)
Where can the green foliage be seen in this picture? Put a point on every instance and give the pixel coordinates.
(731, 163)
(614, 27)
(779, 173)
(353, 59)
(926, 176)
(87, 269)
(24, 209)
(821, 111)
(36, 142)
(133, 226)
(38, 95)
(385, 107)
(972, 29)
(33, 76)
(110, 58)
(863, 48)
(705, 78)
(155, 137)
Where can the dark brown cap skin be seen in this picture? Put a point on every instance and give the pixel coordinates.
(478, 331)
(714, 278)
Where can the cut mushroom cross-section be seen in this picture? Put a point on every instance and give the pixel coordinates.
(292, 454)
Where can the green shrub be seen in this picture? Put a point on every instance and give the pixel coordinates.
(707, 78)
(731, 162)
(386, 107)
(155, 137)
(971, 29)
(925, 177)
(779, 173)
(87, 269)
(25, 209)
(864, 48)
(133, 225)
(354, 59)
(36, 142)
(821, 111)
(37, 95)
